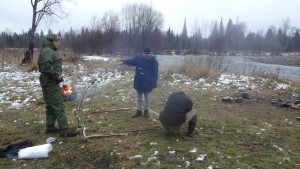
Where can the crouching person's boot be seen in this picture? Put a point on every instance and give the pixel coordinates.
(191, 128)
(67, 133)
(51, 129)
(137, 114)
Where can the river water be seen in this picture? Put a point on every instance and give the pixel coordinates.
(238, 64)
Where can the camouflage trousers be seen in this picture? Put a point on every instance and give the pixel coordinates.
(55, 108)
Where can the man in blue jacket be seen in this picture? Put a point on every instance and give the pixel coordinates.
(178, 111)
(145, 78)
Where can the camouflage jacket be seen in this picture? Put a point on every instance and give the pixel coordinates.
(50, 64)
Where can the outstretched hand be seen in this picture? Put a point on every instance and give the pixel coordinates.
(119, 61)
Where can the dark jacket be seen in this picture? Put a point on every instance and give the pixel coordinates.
(50, 64)
(146, 72)
(174, 113)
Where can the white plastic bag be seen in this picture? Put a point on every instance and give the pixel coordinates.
(40, 151)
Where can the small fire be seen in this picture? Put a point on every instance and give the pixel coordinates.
(66, 89)
(69, 92)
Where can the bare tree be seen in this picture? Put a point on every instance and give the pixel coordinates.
(204, 27)
(140, 20)
(42, 9)
(196, 36)
(285, 25)
(110, 21)
(111, 25)
(240, 29)
(95, 23)
(184, 37)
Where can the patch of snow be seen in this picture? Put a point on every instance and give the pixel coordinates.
(281, 86)
(136, 156)
(194, 150)
(210, 167)
(201, 157)
(279, 148)
(86, 58)
(187, 164)
(153, 143)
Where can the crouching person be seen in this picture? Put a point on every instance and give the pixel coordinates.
(177, 112)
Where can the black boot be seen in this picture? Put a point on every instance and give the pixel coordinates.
(146, 113)
(137, 114)
(67, 133)
(51, 129)
(167, 132)
(191, 128)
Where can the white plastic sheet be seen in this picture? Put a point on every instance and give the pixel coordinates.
(40, 151)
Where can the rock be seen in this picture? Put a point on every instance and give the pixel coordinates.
(227, 99)
(286, 159)
(244, 95)
(274, 102)
(297, 102)
(238, 99)
(285, 104)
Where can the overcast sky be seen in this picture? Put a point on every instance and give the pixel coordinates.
(16, 15)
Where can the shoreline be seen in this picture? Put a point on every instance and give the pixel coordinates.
(277, 60)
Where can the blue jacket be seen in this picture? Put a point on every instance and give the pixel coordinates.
(146, 72)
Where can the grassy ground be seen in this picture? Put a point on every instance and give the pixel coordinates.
(250, 134)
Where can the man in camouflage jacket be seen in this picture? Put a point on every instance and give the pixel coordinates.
(50, 66)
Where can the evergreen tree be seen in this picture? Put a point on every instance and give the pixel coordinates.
(229, 35)
(184, 37)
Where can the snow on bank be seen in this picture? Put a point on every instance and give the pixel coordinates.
(225, 82)
(88, 58)
(19, 88)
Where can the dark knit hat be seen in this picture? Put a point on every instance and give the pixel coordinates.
(147, 50)
(53, 37)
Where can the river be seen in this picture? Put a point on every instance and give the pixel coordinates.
(239, 64)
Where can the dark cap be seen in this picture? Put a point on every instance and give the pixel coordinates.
(53, 37)
(147, 49)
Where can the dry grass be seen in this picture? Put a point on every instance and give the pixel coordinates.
(197, 67)
(250, 134)
(212, 66)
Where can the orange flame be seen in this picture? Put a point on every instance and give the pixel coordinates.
(67, 89)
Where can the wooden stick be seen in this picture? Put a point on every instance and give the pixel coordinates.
(84, 136)
(104, 135)
(154, 112)
(119, 109)
(111, 110)
(137, 130)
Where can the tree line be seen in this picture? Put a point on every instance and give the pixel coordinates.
(139, 25)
